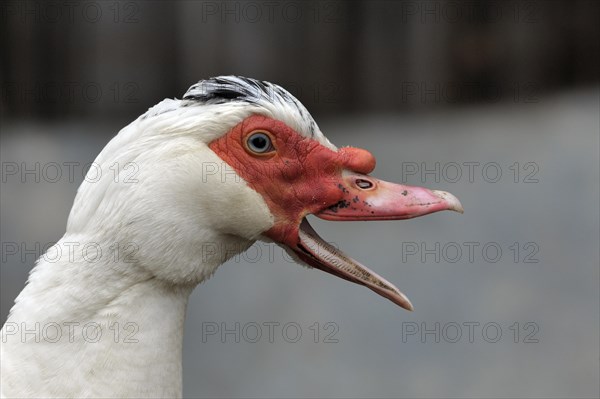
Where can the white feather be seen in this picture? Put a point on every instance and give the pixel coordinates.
(160, 234)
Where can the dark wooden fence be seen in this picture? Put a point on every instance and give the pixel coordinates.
(114, 59)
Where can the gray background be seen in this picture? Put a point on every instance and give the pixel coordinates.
(415, 87)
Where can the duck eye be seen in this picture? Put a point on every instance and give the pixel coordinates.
(259, 143)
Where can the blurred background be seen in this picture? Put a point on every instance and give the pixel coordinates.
(494, 101)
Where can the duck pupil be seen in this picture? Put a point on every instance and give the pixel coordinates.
(259, 142)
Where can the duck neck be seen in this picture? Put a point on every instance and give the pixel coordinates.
(94, 329)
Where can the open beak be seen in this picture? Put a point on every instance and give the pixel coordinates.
(300, 176)
(366, 198)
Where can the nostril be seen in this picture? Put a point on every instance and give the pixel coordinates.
(363, 184)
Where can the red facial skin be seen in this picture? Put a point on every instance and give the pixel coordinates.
(299, 177)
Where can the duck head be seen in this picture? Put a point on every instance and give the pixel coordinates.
(238, 160)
